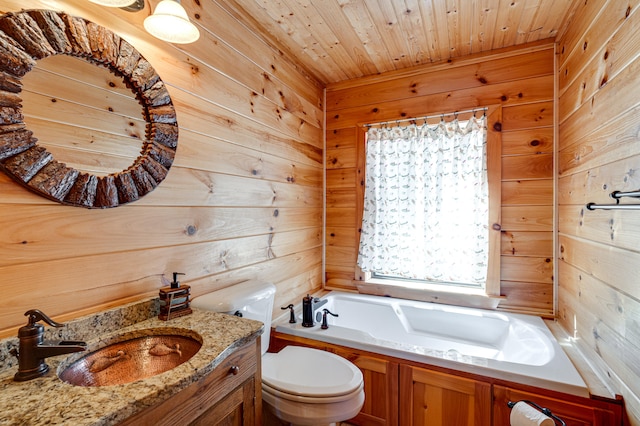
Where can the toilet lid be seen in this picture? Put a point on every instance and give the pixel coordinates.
(309, 372)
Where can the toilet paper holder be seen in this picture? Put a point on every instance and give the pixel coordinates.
(543, 410)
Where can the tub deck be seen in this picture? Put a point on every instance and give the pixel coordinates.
(513, 347)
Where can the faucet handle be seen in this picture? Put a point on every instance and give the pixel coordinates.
(36, 315)
(292, 314)
(325, 311)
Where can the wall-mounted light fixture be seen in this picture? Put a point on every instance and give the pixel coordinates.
(169, 22)
(130, 5)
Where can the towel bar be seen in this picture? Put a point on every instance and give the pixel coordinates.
(594, 206)
(620, 194)
(617, 195)
(557, 420)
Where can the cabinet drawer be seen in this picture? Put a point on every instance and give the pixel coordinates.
(197, 398)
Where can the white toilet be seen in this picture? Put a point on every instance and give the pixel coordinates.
(301, 386)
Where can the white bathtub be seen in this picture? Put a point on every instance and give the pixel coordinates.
(518, 348)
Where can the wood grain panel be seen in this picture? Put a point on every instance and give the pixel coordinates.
(595, 40)
(341, 256)
(581, 17)
(599, 109)
(341, 138)
(615, 140)
(596, 184)
(341, 178)
(598, 130)
(235, 159)
(117, 278)
(526, 116)
(343, 217)
(242, 200)
(528, 269)
(596, 297)
(522, 243)
(55, 234)
(527, 166)
(341, 198)
(528, 141)
(527, 192)
(529, 297)
(431, 398)
(527, 218)
(341, 158)
(209, 189)
(251, 52)
(527, 148)
(618, 353)
(340, 277)
(607, 263)
(608, 227)
(514, 67)
(510, 93)
(342, 236)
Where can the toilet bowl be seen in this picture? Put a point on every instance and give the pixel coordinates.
(306, 386)
(300, 386)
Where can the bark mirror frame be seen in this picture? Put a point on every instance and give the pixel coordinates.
(30, 35)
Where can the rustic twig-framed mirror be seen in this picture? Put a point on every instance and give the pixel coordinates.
(32, 35)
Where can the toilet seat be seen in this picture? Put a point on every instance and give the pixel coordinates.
(266, 389)
(299, 373)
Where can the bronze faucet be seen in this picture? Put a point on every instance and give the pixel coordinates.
(33, 350)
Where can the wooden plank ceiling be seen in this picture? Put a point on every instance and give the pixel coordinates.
(337, 40)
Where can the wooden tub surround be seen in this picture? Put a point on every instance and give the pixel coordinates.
(400, 392)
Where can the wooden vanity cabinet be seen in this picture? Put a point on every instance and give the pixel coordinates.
(230, 395)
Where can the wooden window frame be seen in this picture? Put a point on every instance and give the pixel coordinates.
(489, 297)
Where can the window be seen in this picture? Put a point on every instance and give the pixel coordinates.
(432, 195)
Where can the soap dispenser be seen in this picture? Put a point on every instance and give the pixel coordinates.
(174, 299)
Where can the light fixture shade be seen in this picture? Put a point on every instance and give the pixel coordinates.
(114, 3)
(170, 23)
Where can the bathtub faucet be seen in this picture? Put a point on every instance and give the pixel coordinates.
(309, 305)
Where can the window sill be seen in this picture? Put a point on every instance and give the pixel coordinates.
(458, 296)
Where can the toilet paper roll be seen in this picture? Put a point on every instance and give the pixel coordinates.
(522, 414)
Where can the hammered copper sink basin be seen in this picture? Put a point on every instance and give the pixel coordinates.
(131, 358)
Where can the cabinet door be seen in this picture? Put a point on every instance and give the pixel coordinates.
(430, 398)
(380, 390)
(236, 409)
(576, 412)
(231, 384)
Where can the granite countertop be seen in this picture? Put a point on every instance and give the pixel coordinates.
(49, 400)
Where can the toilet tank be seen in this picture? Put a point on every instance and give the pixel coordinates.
(253, 299)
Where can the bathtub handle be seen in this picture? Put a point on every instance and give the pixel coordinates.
(325, 311)
(292, 314)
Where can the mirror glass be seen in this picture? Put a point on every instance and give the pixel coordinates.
(83, 114)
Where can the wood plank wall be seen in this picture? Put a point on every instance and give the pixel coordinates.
(521, 82)
(599, 152)
(242, 200)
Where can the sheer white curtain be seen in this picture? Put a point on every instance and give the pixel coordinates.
(426, 202)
